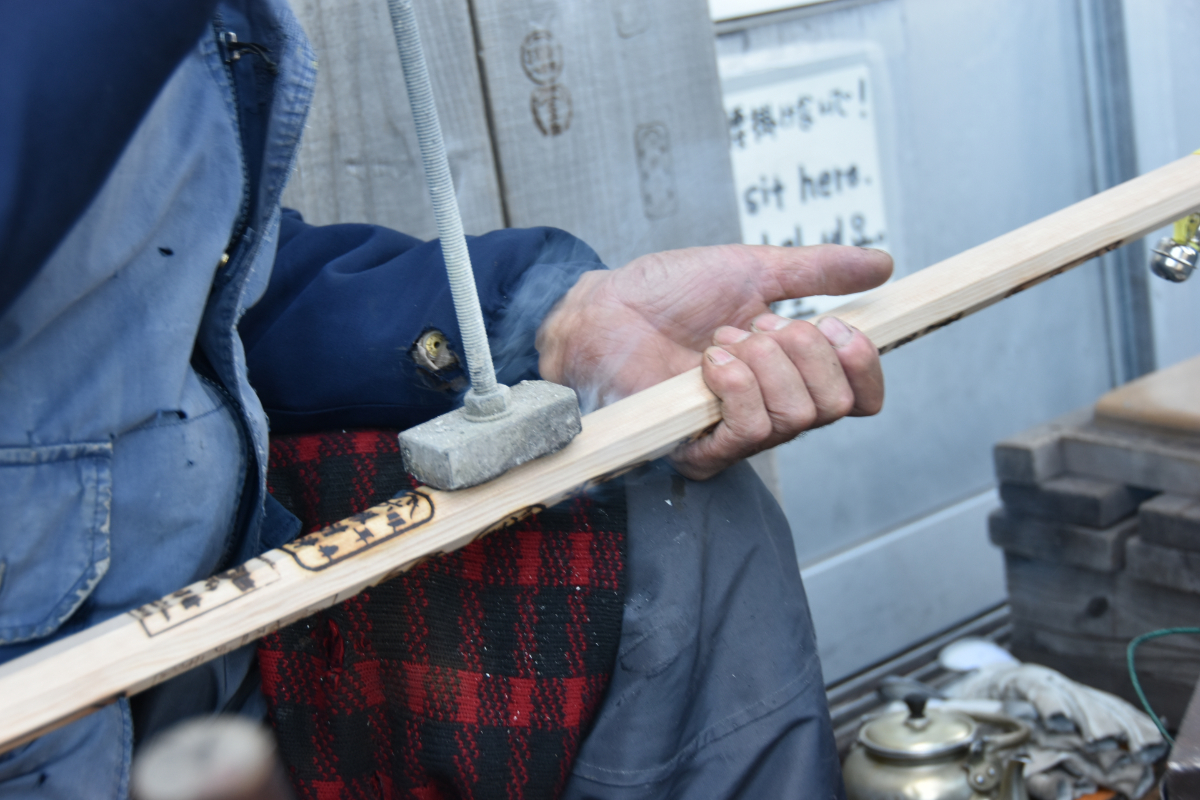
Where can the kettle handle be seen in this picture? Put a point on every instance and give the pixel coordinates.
(1016, 736)
(1012, 785)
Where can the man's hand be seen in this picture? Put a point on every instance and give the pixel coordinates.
(617, 332)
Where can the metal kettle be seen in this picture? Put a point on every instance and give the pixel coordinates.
(934, 754)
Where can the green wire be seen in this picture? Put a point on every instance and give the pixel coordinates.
(1137, 686)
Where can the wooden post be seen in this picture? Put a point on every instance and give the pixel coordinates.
(211, 758)
(69, 678)
(359, 160)
(607, 121)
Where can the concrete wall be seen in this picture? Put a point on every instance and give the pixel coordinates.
(1164, 64)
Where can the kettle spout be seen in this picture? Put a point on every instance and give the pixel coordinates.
(1012, 784)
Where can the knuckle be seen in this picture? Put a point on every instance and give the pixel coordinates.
(872, 406)
(794, 416)
(860, 356)
(747, 428)
(759, 347)
(759, 428)
(739, 379)
(800, 417)
(842, 402)
(804, 334)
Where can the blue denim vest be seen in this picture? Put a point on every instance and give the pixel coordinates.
(132, 449)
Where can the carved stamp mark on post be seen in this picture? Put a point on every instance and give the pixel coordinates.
(203, 596)
(404, 512)
(631, 17)
(551, 106)
(550, 102)
(541, 57)
(656, 170)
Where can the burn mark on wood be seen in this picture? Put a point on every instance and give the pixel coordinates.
(929, 329)
(513, 519)
(542, 57)
(1029, 284)
(359, 533)
(698, 435)
(203, 596)
(242, 578)
(590, 484)
(656, 170)
(550, 102)
(551, 107)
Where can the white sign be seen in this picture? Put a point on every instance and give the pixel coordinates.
(733, 9)
(806, 162)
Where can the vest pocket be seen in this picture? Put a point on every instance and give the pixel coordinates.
(55, 503)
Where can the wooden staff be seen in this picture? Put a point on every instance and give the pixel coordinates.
(71, 677)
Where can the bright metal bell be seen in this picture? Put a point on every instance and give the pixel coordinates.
(1172, 260)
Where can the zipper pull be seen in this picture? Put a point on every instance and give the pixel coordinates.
(229, 39)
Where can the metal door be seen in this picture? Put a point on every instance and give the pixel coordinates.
(990, 123)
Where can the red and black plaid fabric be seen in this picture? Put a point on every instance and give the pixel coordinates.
(474, 675)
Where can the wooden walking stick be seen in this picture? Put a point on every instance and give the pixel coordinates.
(71, 677)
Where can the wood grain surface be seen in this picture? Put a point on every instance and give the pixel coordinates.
(1171, 521)
(1074, 500)
(1137, 456)
(134, 651)
(1167, 400)
(1098, 549)
(608, 122)
(359, 160)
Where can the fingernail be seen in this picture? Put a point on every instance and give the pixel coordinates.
(730, 335)
(836, 331)
(770, 322)
(718, 356)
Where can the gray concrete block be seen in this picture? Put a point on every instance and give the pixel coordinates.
(1169, 567)
(1060, 596)
(1162, 462)
(1083, 602)
(1167, 676)
(1073, 499)
(1098, 549)
(1034, 455)
(1080, 621)
(1171, 521)
(455, 452)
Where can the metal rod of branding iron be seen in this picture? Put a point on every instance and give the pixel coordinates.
(497, 427)
(441, 191)
(131, 652)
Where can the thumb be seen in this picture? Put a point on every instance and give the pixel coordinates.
(790, 272)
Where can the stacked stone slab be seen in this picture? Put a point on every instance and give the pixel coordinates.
(1100, 526)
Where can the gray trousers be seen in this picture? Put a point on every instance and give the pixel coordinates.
(717, 691)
